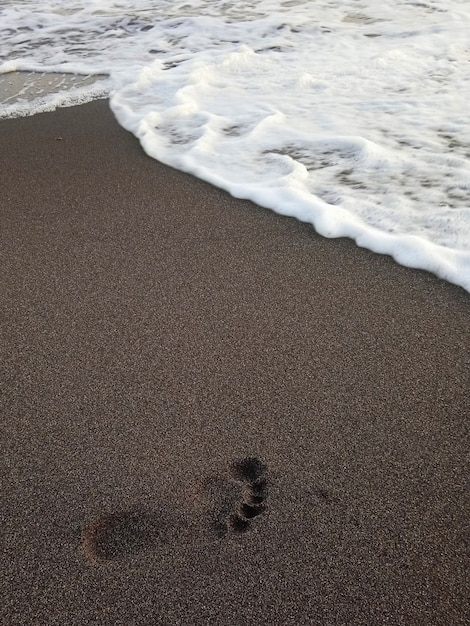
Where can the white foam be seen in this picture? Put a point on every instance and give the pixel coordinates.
(351, 116)
(25, 93)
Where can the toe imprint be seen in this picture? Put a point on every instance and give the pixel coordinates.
(249, 469)
(239, 524)
(251, 472)
(249, 511)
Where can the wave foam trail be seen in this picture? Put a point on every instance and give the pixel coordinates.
(353, 121)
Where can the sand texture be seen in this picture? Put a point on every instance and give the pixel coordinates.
(210, 414)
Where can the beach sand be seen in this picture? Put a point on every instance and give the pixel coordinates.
(156, 332)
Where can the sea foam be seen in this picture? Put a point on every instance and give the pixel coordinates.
(352, 117)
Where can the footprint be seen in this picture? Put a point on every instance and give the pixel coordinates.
(251, 472)
(123, 534)
(235, 504)
(116, 535)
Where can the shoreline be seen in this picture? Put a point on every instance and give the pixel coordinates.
(157, 331)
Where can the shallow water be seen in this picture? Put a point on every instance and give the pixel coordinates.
(350, 115)
(20, 89)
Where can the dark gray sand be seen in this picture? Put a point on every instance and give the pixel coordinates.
(212, 415)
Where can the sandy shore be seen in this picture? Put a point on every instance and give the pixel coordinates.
(155, 333)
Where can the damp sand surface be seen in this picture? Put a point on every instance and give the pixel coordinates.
(211, 414)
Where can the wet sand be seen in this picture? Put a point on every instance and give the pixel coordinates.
(211, 414)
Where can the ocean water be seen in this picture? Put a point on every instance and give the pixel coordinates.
(352, 115)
